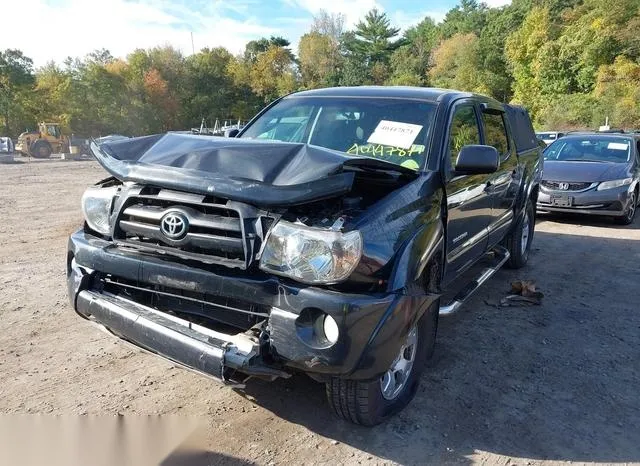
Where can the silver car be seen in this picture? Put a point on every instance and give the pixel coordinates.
(549, 137)
(591, 173)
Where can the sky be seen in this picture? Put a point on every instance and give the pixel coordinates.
(56, 29)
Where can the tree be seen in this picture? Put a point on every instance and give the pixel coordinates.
(319, 57)
(372, 38)
(618, 91)
(526, 49)
(16, 80)
(254, 48)
(368, 50)
(317, 60)
(210, 90)
(468, 17)
(410, 62)
(456, 64)
(272, 74)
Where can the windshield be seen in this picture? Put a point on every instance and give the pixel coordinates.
(394, 130)
(589, 149)
(547, 135)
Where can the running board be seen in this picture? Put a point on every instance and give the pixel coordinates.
(502, 256)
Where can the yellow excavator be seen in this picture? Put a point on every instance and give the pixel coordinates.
(47, 140)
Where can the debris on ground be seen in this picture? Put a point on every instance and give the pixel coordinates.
(523, 293)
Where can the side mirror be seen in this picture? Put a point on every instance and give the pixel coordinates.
(231, 133)
(477, 160)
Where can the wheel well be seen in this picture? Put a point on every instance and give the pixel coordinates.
(431, 277)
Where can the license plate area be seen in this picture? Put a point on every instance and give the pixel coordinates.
(562, 201)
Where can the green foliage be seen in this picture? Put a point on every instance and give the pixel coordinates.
(457, 64)
(572, 63)
(16, 78)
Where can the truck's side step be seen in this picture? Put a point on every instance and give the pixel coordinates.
(501, 255)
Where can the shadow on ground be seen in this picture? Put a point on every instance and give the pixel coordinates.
(588, 220)
(557, 382)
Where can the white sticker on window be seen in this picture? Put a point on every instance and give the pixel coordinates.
(618, 146)
(395, 133)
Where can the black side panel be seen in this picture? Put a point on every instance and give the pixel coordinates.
(523, 132)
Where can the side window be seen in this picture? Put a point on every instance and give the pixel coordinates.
(495, 133)
(464, 131)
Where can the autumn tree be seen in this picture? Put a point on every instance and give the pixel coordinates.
(526, 50)
(273, 75)
(319, 57)
(456, 64)
(16, 80)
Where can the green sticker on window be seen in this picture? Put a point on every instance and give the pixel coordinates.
(412, 164)
(382, 151)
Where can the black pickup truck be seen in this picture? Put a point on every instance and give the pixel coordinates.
(320, 239)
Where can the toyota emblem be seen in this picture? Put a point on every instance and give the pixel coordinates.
(174, 225)
(563, 186)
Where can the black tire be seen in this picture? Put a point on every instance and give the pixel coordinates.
(40, 150)
(514, 242)
(630, 213)
(362, 402)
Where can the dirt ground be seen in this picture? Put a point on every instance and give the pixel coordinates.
(547, 384)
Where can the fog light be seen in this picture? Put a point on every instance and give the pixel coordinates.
(330, 327)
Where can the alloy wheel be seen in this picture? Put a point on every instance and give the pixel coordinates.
(395, 379)
(631, 212)
(524, 237)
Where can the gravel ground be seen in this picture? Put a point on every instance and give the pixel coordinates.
(533, 385)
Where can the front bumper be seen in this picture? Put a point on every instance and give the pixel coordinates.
(372, 326)
(610, 202)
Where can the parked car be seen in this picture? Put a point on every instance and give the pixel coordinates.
(548, 137)
(6, 145)
(110, 138)
(318, 240)
(594, 174)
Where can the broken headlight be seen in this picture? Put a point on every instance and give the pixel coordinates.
(96, 206)
(311, 255)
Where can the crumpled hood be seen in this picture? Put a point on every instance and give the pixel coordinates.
(259, 172)
(587, 172)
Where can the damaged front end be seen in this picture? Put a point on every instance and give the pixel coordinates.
(240, 259)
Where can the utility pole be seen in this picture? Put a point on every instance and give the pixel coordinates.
(193, 49)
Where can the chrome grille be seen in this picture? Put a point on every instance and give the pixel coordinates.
(214, 233)
(555, 185)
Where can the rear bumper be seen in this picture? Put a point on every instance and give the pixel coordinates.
(610, 202)
(371, 326)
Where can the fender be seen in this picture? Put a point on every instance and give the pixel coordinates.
(426, 244)
(385, 340)
(531, 177)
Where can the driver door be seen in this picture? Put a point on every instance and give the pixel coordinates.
(468, 203)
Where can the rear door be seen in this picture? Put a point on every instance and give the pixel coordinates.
(503, 184)
(468, 205)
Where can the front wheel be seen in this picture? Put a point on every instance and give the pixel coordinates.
(370, 402)
(630, 213)
(518, 242)
(41, 150)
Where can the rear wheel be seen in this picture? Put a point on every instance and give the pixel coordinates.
(41, 150)
(371, 402)
(519, 240)
(630, 213)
